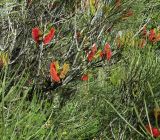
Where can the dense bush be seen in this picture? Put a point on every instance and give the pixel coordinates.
(79, 69)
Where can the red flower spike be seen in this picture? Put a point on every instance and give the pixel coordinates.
(47, 39)
(84, 77)
(90, 56)
(156, 132)
(151, 130)
(92, 53)
(36, 34)
(107, 51)
(152, 35)
(109, 55)
(53, 73)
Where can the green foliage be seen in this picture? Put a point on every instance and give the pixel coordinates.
(118, 99)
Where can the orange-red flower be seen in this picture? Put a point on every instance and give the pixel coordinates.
(152, 35)
(53, 73)
(152, 130)
(84, 77)
(49, 36)
(37, 36)
(92, 53)
(106, 53)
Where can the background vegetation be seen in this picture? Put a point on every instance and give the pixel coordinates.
(119, 98)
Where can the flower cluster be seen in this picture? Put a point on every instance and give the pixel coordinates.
(55, 73)
(152, 35)
(106, 53)
(58, 73)
(38, 37)
(94, 53)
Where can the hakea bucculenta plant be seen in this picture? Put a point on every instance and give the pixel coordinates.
(58, 74)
